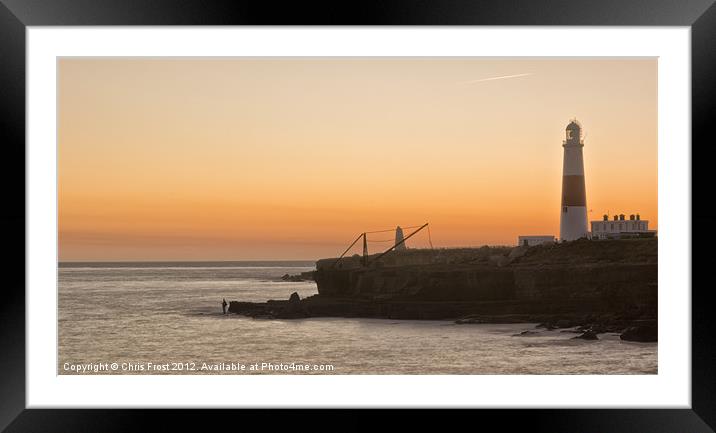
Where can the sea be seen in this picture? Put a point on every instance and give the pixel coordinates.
(166, 318)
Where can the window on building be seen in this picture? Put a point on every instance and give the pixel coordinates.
(611, 226)
(564, 209)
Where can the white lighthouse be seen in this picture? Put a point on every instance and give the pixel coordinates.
(573, 215)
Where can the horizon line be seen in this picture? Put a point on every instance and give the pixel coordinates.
(186, 261)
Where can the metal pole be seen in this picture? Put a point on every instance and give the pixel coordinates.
(347, 249)
(365, 249)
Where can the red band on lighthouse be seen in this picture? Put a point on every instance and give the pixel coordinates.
(573, 191)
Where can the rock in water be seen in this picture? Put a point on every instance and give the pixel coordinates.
(587, 335)
(643, 334)
(295, 278)
(294, 297)
(523, 333)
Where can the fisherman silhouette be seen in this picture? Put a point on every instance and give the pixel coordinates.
(223, 305)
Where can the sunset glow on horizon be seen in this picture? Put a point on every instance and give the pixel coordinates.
(292, 158)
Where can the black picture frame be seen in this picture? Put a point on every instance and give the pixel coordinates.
(16, 15)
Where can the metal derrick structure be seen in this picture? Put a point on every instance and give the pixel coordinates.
(364, 236)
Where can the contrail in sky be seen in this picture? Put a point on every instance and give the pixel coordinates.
(504, 77)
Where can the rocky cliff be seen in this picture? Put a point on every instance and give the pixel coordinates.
(589, 275)
(606, 284)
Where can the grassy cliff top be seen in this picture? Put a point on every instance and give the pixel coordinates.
(593, 251)
(575, 252)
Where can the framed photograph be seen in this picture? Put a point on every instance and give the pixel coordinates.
(453, 206)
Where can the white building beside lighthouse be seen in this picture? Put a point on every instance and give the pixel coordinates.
(573, 213)
(621, 228)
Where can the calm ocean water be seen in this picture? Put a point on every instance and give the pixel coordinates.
(165, 318)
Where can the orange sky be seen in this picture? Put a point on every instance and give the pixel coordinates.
(291, 158)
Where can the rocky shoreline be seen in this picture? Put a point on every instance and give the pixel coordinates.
(631, 328)
(591, 287)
